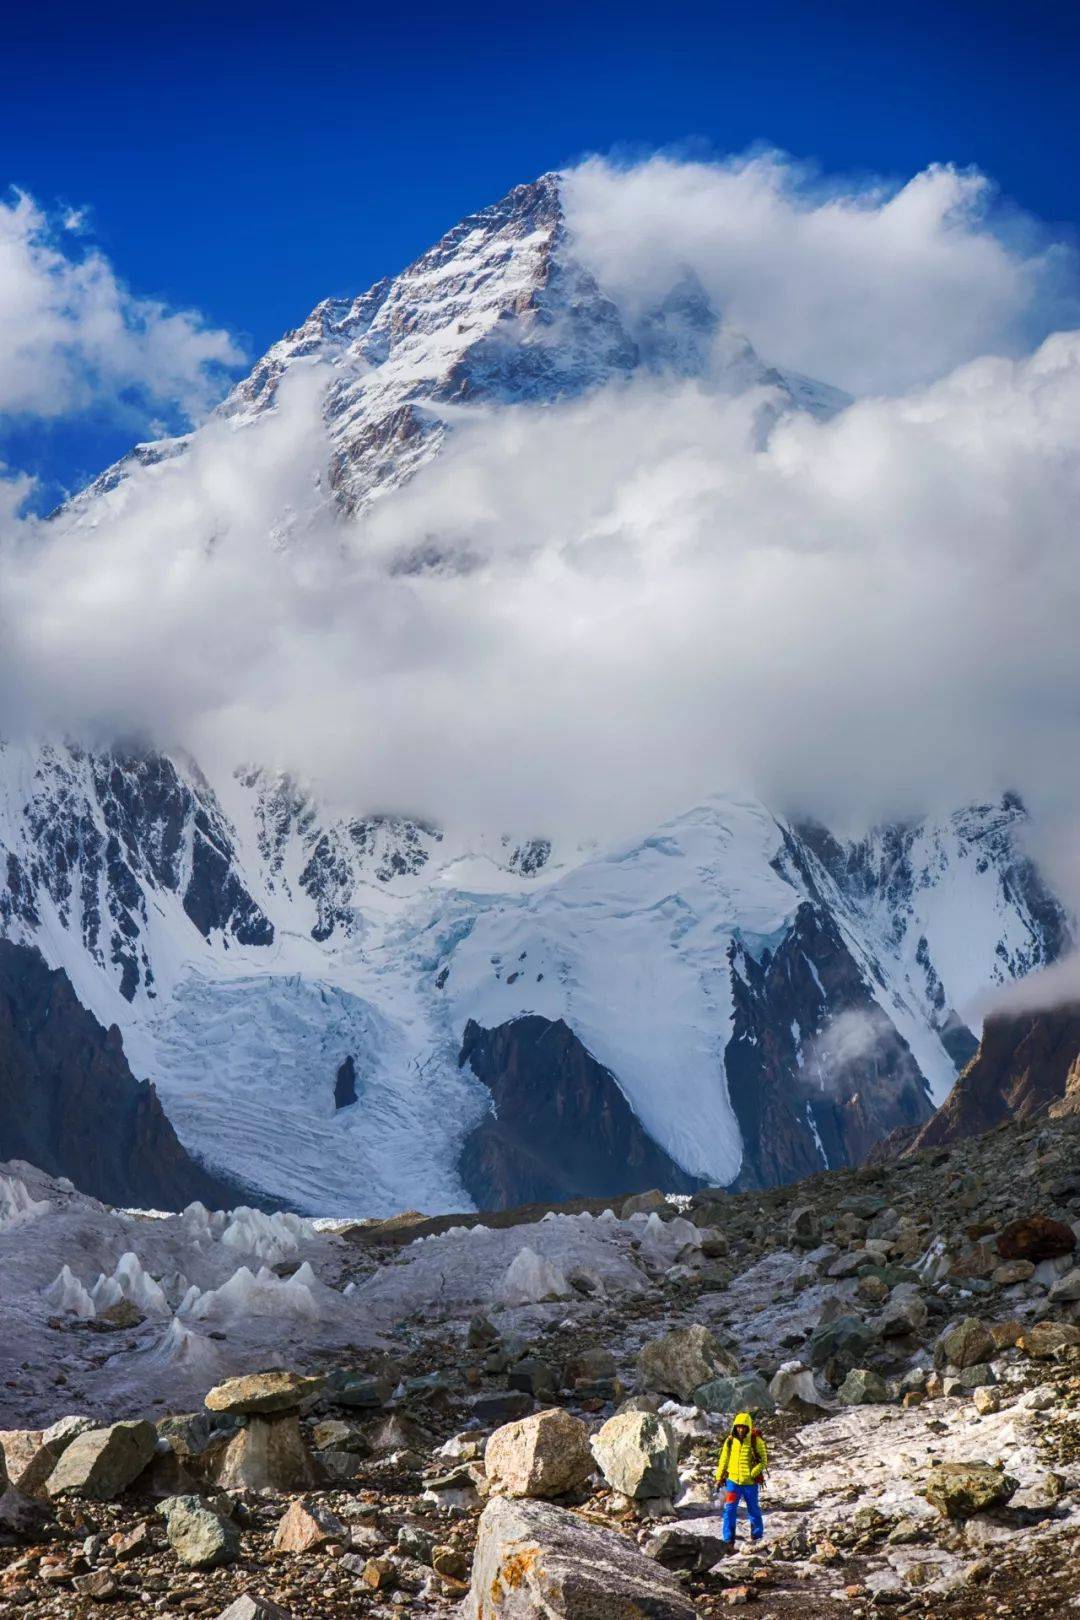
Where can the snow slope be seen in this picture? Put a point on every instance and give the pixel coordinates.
(241, 985)
(247, 942)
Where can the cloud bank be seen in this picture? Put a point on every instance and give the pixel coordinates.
(640, 597)
(870, 286)
(72, 335)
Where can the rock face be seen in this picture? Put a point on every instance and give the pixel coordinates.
(638, 1455)
(559, 1125)
(810, 983)
(679, 1362)
(535, 1559)
(546, 1454)
(103, 1462)
(1022, 1069)
(70, 1105)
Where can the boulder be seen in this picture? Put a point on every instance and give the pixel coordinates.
(862, 1388)
(60, 1434)
(844, 1340)
(200, 1537)
(262, 1393)
(267, 1454)
(249, 1606)
(307, 1524)
(546, 1454)
(696, 1545)
(638, 1455)
(1036, 1238)
(1044, 1339)
(535, 1559)
(1012, 1271)
(362, 1393)
(590, 1367)
(902, 1317)
(642, 1204)
(793, 1388)
(536, 1377)
(103, 1462)
(334, 1435)
(1066, 1291)
(804, 1227)
(748, 1393)
(681, 1361)
(959, 1489)
(969, 1342)
(21, 1517)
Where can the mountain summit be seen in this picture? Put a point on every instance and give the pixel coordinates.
(359, 1012)
(501, 311)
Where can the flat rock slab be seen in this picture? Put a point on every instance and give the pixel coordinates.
(274, 1391)
(534, 1559)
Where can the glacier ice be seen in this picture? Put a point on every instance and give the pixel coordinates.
(16, 1204)
(259, 1294)
(531, 1279)
(68, 1295)
(183, 1346)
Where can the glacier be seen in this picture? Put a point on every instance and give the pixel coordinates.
(247, 940)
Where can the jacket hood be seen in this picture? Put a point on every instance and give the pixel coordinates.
(742, 1417)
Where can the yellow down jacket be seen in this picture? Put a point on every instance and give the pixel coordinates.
(742, 1461)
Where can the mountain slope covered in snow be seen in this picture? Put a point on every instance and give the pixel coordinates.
(764, 997)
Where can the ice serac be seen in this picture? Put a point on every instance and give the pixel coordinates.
(70, 1105)
(558, 1127)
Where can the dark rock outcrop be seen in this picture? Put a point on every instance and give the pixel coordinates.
(1022, 1069)
(70, 1105)
(345, 1083)
(559, 1126)
(816, 1072)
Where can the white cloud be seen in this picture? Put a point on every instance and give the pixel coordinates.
(867, 616)
(869, 286)
(642, 602)
(73, 336)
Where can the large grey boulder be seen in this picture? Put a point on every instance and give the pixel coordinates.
(966, 1343)
(533, 1559)
(546, 1454)
(103, 1462)
(845, 1340)
(862, 1388)
(200, 1538)
(679, 1362)
(748, 1393)
(638, 1454)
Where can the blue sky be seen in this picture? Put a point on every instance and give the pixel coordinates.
(248, 164)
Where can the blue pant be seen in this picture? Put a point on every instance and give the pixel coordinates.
(749, 1494)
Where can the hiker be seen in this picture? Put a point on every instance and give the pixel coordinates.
(740, 1470)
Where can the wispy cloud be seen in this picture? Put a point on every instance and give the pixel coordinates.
(74, 337)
